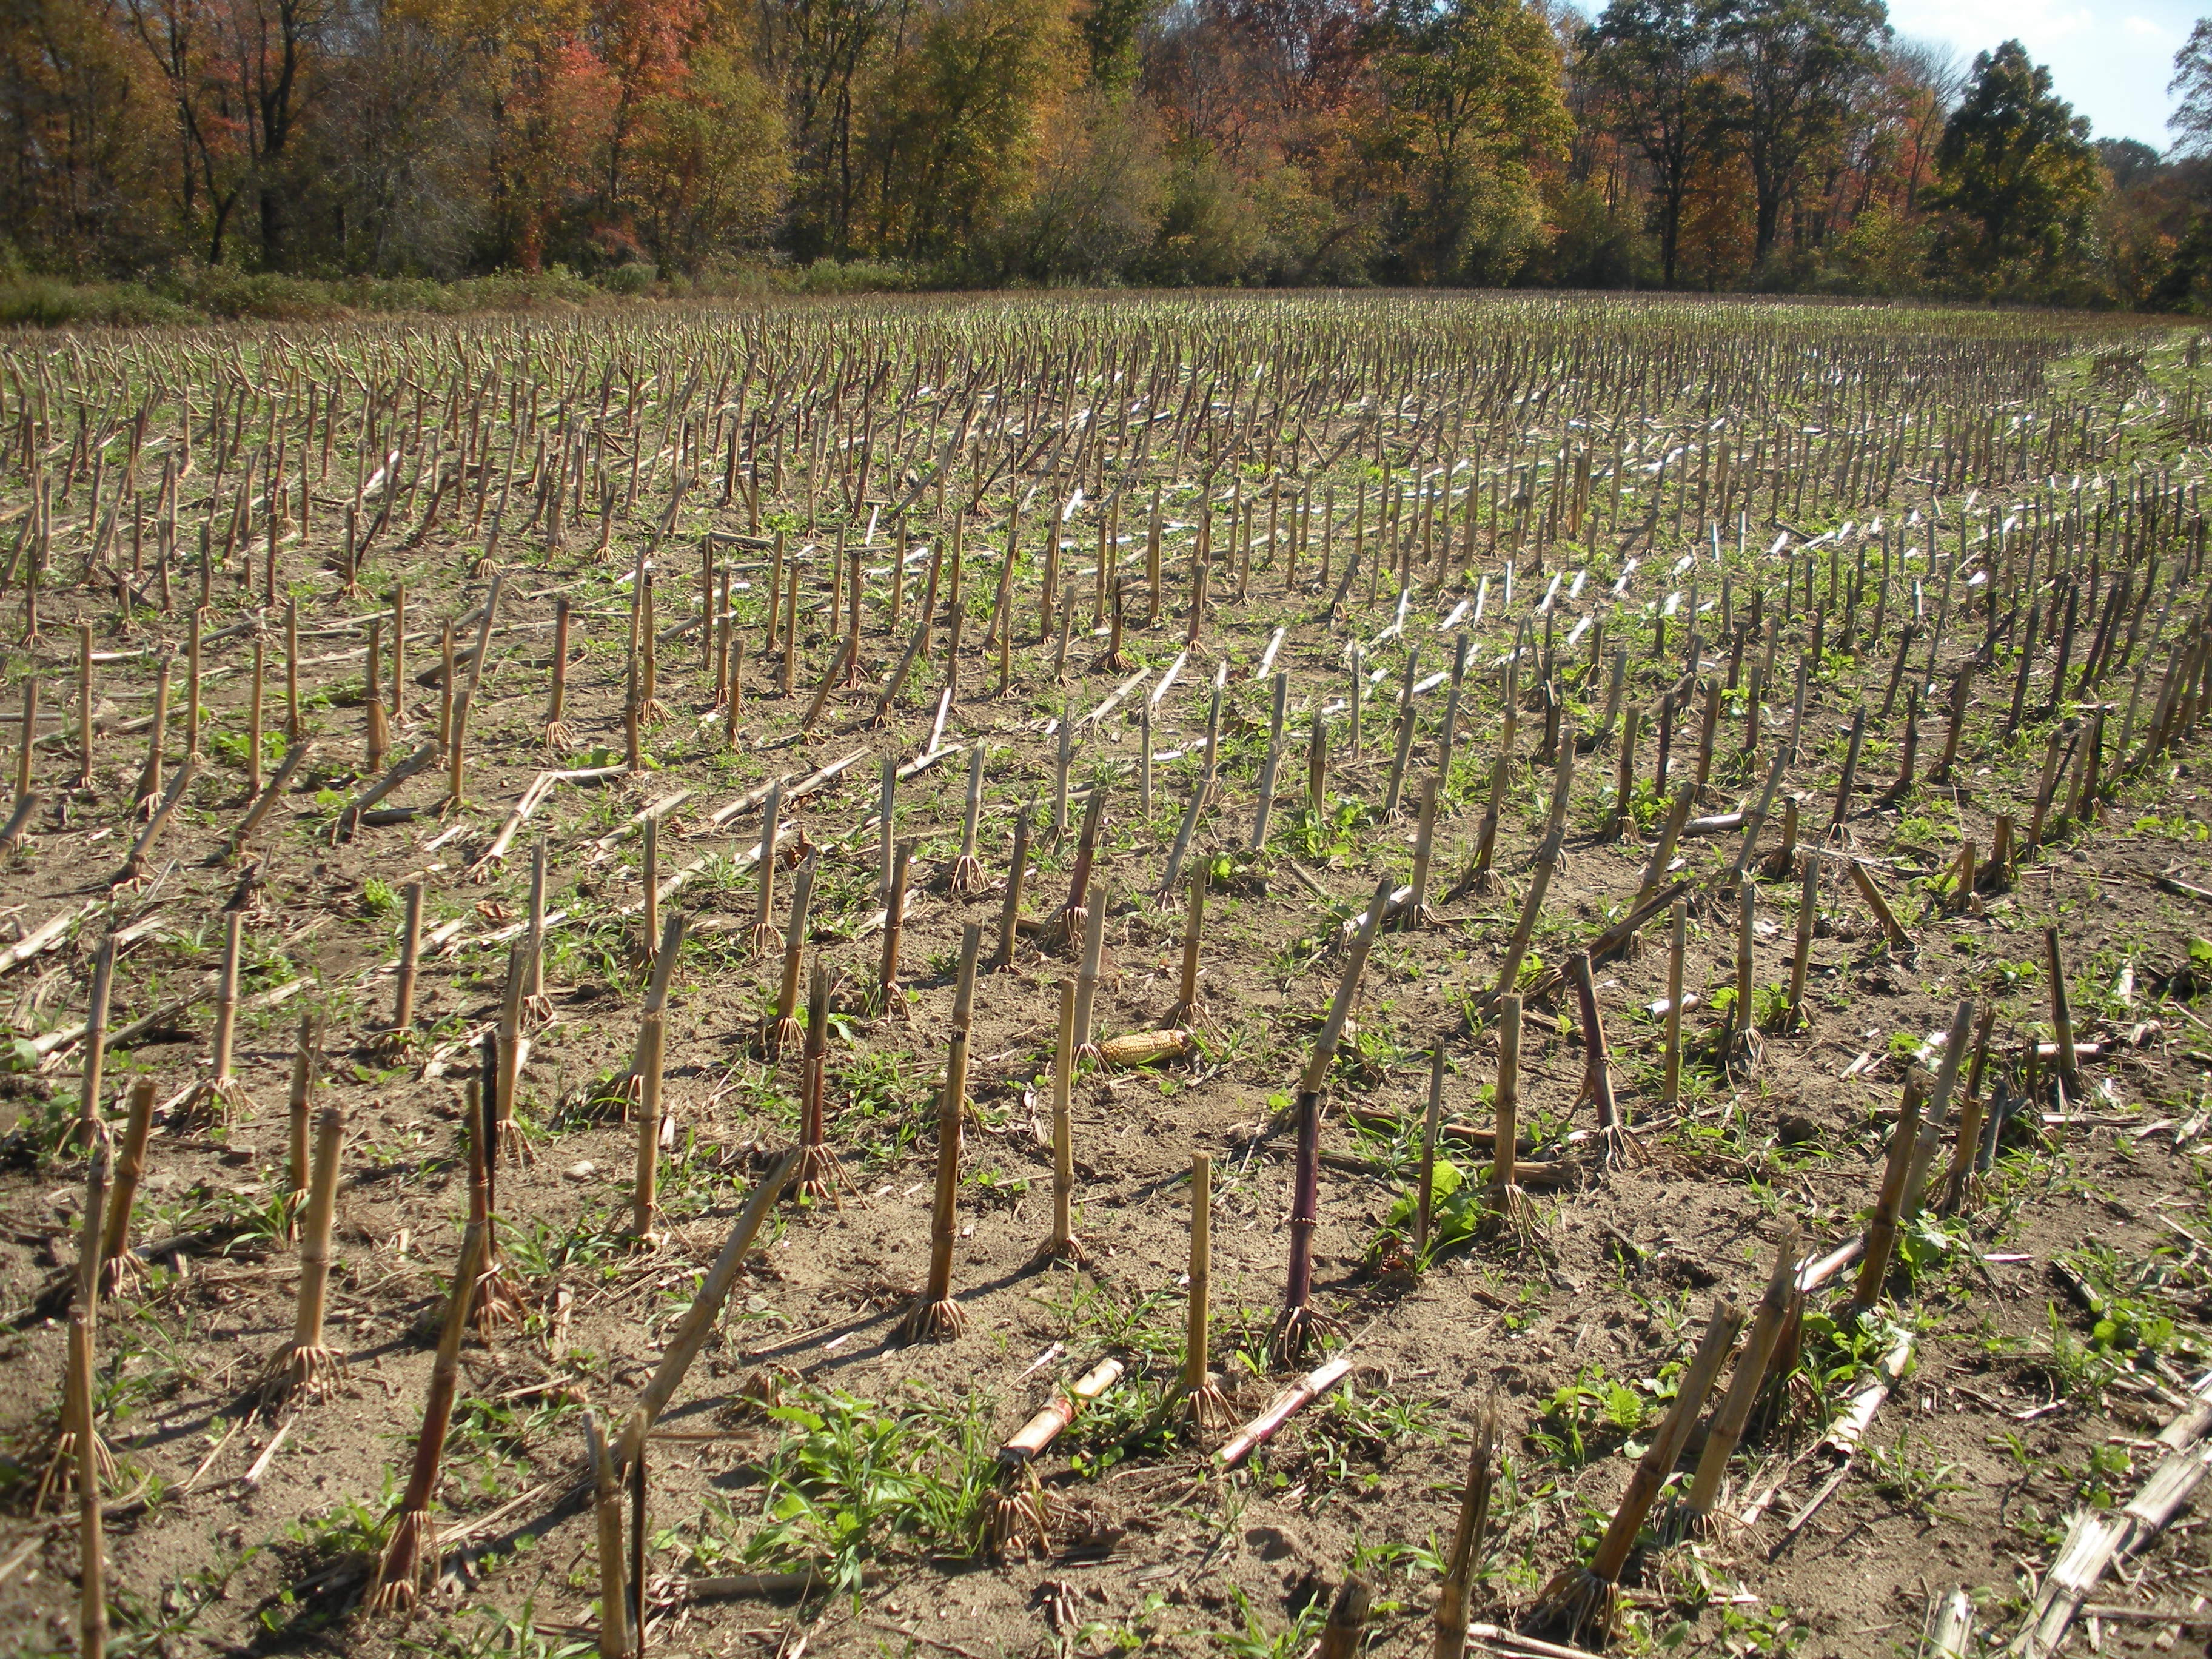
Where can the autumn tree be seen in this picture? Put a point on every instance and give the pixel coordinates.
(88, 139)
(253, 71)
(1788, 143)
(1927, 80)
(212, 165)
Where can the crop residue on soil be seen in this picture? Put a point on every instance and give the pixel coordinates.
(1232, 592)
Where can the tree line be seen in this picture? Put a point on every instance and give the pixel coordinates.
(1796, 145)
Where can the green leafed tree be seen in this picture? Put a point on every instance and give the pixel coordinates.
(2191, 88)
(1474, 104)
(959, 119)
(2017, 169)
(2184, 283)
(712, 165)
(1794, 65)
(1655, 63)
(1109, 30)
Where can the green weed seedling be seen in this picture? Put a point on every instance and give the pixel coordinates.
(1587, 1418)
(849, 1482)
(1906, 1473)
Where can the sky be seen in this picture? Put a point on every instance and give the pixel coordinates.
(2110, 59)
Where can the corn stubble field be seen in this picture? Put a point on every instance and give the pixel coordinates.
(1065, 976)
